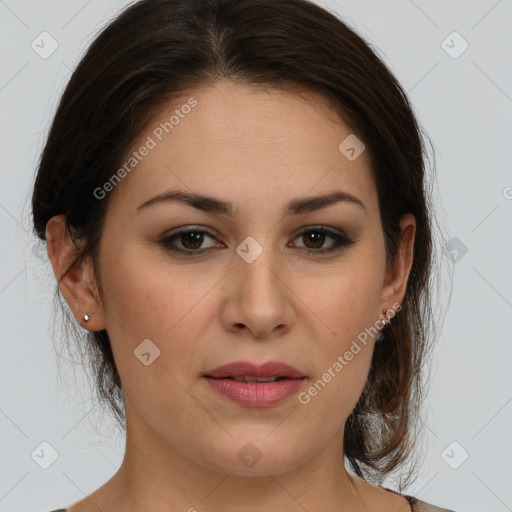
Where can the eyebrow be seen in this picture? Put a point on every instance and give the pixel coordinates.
(212, 205)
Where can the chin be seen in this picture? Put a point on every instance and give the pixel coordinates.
(256, 456)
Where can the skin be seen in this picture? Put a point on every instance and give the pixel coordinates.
(257, 149)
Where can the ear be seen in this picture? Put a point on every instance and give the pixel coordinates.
(75, 275)
(397, 274)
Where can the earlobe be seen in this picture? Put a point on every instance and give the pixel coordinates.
(74, 274)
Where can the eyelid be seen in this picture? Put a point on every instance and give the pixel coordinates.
(340, 237)
(190, 227)
(320, 227)
(214, 233)
(165, 240)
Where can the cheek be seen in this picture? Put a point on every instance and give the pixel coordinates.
(343, 369)
(346, 302)
(153, 298)
(345, 299)
(145, 299)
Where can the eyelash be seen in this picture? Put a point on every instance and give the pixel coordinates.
(340, 239)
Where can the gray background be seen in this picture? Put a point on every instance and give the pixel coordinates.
(464, 103)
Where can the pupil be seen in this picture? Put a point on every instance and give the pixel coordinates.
(316, 238)
(192, 240)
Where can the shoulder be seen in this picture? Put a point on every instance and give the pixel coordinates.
(421, 506)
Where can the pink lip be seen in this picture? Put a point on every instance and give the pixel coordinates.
(264, 394)
(259, 394)
(241, 368)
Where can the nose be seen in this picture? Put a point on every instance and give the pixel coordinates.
(258, 299)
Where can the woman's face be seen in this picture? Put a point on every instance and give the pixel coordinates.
(241, 286)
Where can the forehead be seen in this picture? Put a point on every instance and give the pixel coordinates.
(228, 139)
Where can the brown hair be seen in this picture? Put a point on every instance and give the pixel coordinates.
(158, 48)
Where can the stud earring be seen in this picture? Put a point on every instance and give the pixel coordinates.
(86, 318)
(383, 320)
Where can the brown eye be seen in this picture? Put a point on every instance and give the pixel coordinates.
(188, 241)
(192, 239)
(314, 239)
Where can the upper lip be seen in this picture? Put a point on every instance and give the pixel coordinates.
(248, 369)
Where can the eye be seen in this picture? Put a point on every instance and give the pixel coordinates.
(315, 237)
(190, 238)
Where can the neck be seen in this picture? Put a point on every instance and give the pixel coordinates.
(154, 473)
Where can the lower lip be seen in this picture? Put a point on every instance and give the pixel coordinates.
(262, 394)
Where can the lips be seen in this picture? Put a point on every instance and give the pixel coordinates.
(241, 369)
(251, 385)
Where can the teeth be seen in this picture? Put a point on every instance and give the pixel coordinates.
(249, 379)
